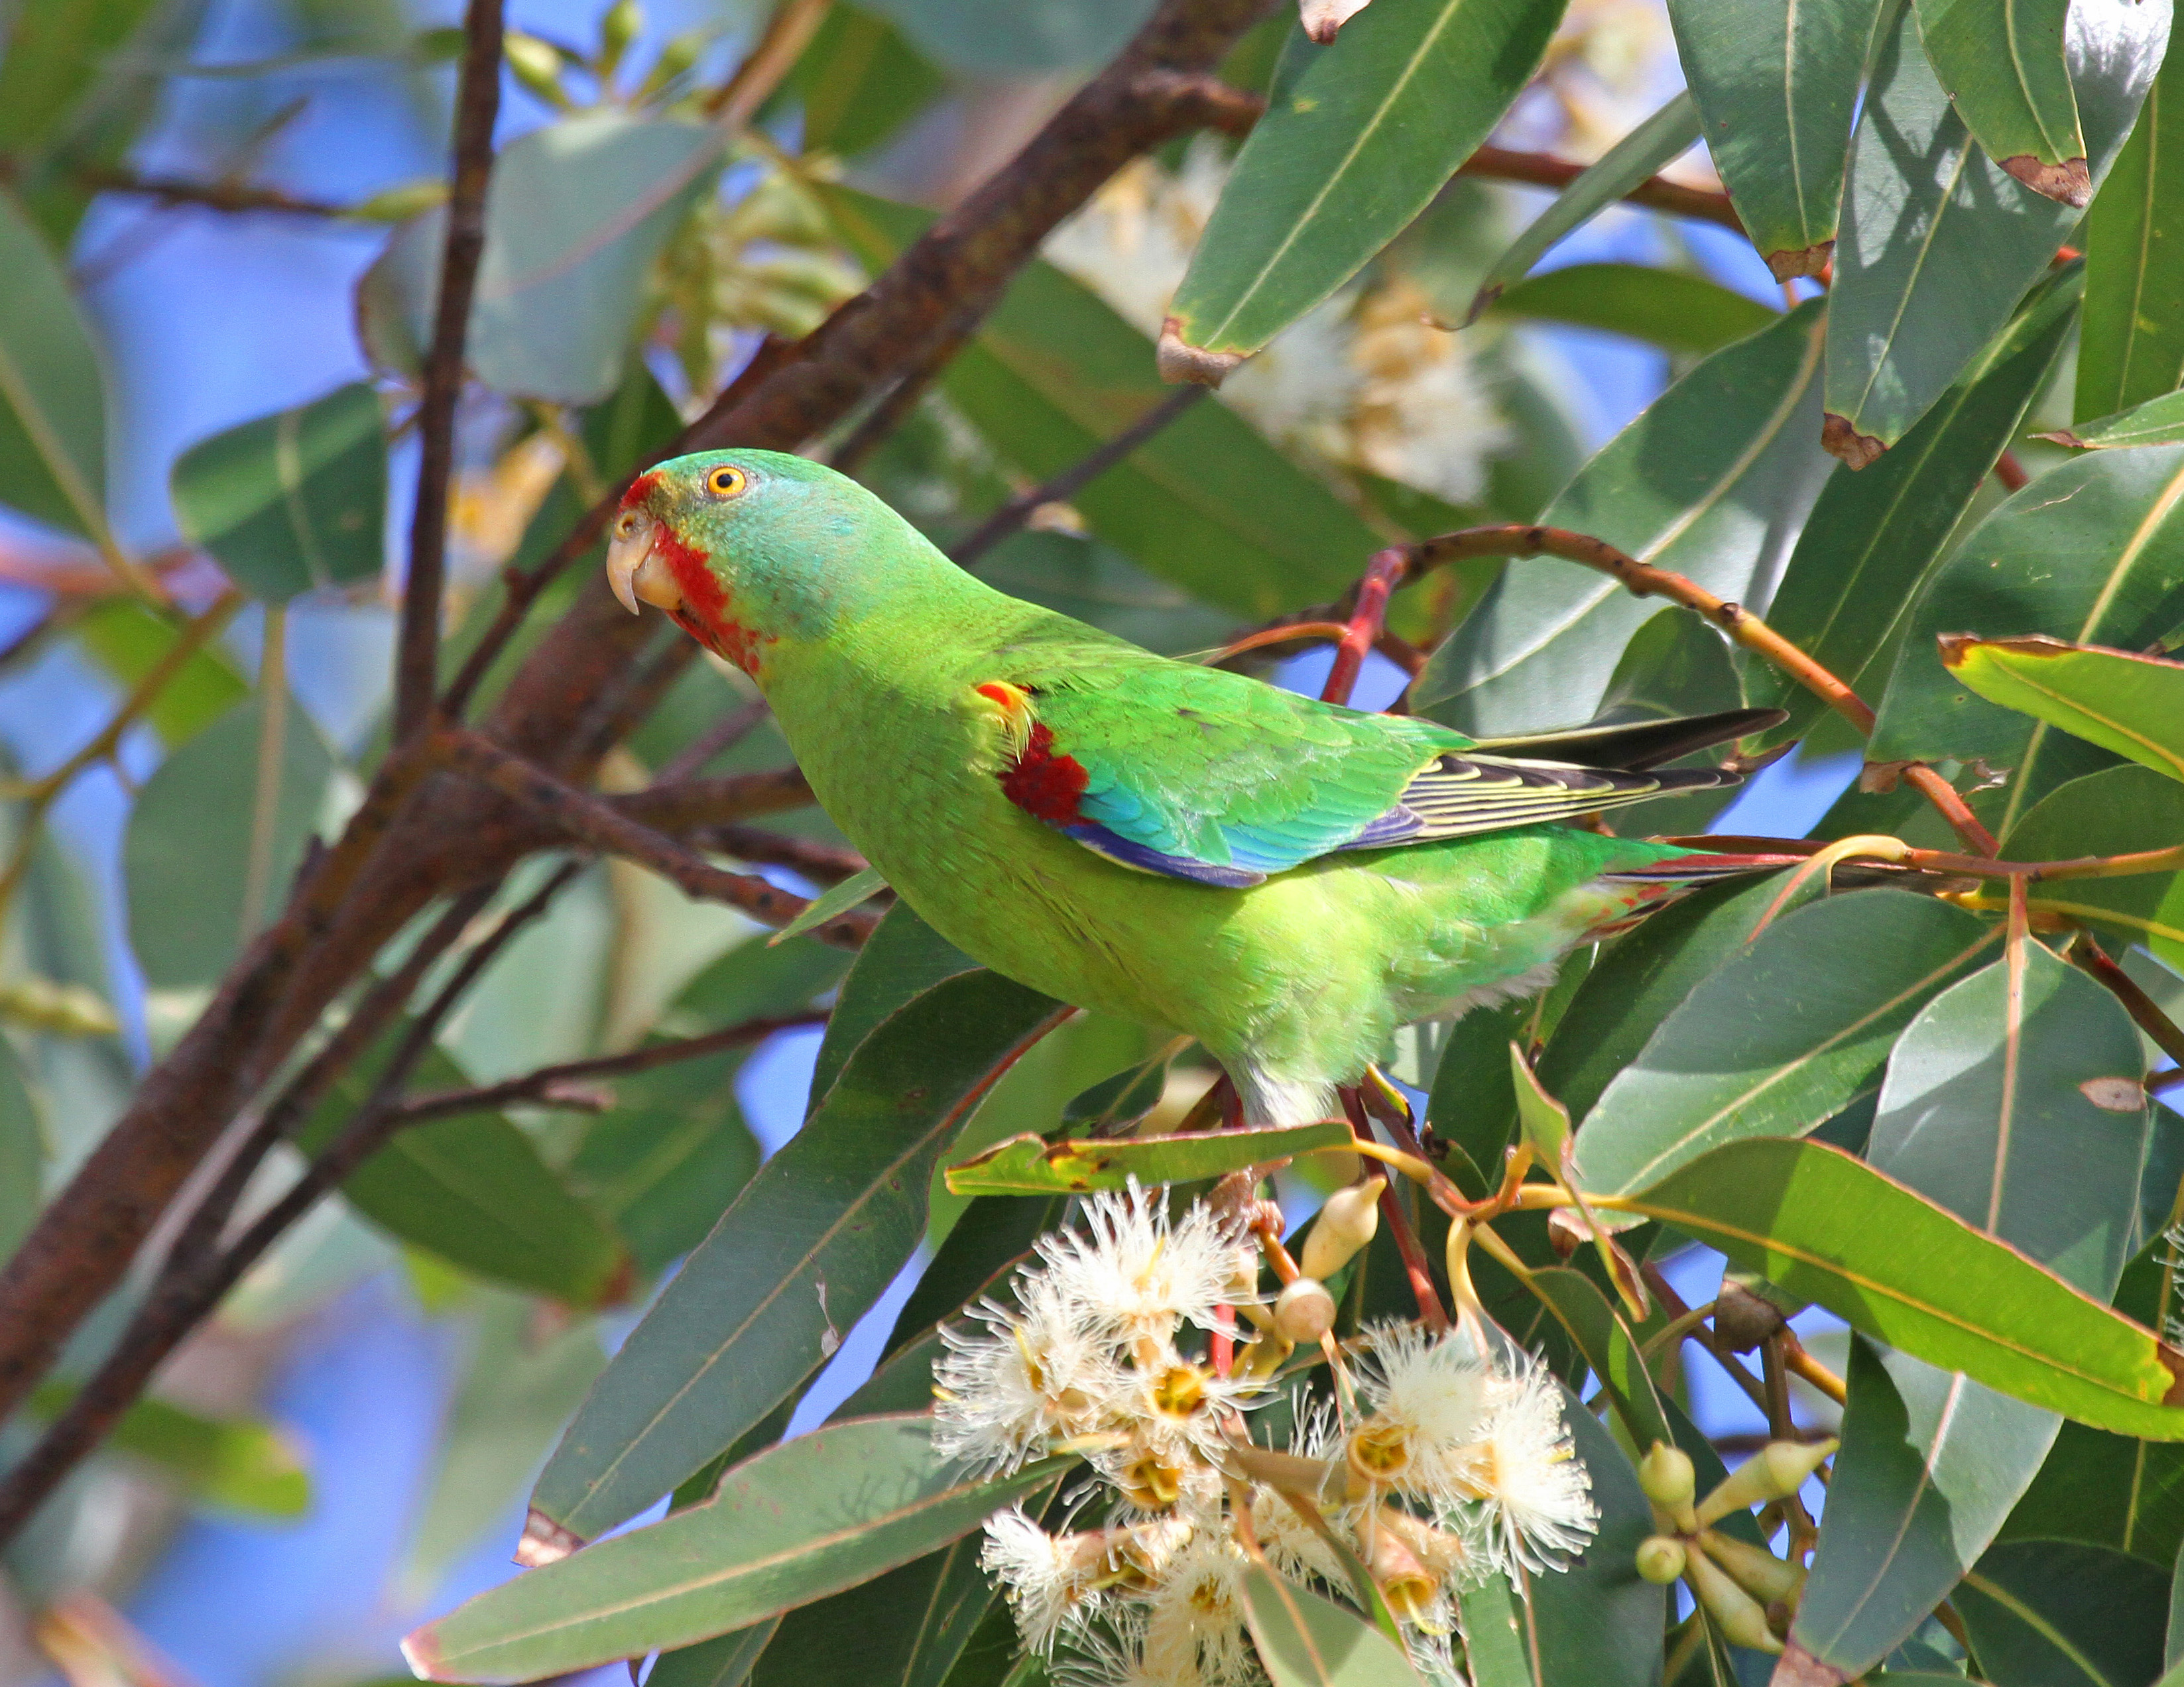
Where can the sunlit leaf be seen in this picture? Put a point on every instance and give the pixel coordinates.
(1306, 1640)
(1030, 1164)
(1358, 137)
(237, 1464)
(2007, 76)
(2130, 704)
(2132, 348)
(1776, 86)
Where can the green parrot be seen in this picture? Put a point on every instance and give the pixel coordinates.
(1286, 881)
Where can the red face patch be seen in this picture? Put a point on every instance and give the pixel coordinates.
(707, 614)
(1043, 785)
(640, 489)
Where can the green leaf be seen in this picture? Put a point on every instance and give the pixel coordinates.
(1030, 1164)
(1781, 1038)
(54, 50)
(1609, 1351)
(1877, 533)
(907, 1628)
(1544, 1121)
(2056, 1613)
(1599, 1621)
(187, 848)
(1305, 1640)
(1358, 137)
(1665, 136)
(2130, 704)
(1938, 243)
(2115, 811)
(798, 1522)
(474, 1190)
(1646, 975)
(579, 209)
(808, 1246)
(238, 1464)
(2132, 348)
(128, 639)
(1829, 1229)
(1931, 1463)
(2159, 421)
(1776, 86)
(1121, 1099)
(2093, 553)
(1678, 312)
(1207, 503)
(52, 392)
(1987, 1110)
(902, 959)
(2113, 1490)
(860, 81)
(22, 1152)
(291, 500)
(725, 1661)
(1013, 37)
(1494, 1633)
(1472, 1105)
(1711, 481)
(851, 892)
(2007, 76)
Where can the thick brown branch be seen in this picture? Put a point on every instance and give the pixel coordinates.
(1656, 193)
(828, 863)
(457, 832)
(477, 102)
(540, 1085)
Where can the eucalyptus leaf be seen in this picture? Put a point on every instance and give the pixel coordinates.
(2055, 1614)
(2132, 348)
(1678, 312)
(1721, 504)
(1306, 1640)
(1776, 86)
(1030, 1164)
(52, 392)
(2127, 703)
(2008, 77)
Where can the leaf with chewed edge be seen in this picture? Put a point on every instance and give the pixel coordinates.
(1030, 1164)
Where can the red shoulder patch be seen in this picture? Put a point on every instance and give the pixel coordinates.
(1043, 785)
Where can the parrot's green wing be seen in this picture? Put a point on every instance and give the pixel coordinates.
(1204, 775)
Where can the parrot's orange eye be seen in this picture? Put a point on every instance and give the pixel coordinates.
(727, 482)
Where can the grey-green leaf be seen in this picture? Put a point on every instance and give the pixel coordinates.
(292, 500)
(794, 1524)
(1358, 137)
(1782, 1037)
(1776, 86)
(1938, 243)
(1712, 480)
(808, 1246)
(2093, 552)
(2133, 347)
(2004, 68)
(2060, 1613)
(1664, 136)
(52, 392)
(1305, 1641)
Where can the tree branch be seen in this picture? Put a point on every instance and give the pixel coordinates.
(1656, 193)
(214, 196)
(477, 102)
(540, 1085)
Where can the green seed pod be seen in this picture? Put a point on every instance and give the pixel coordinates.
(1667, 1476)
(1349, 1219)
(1775, 1472)
(623, 23)
(677, 57)
(1743, 1622)
(535, 64)
(1757, 1570)
(1661, 1559)
(1305, 1310)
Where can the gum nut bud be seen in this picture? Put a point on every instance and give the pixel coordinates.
(1660, 1559)
(1305, 1310)
(1667, 1476)
(1349, 1219)
(1759, 1571)
(1775, 1472)
(533, 63)
(1565, 1231)
(1741, 1319)
(1741, 1617)
(623, 23)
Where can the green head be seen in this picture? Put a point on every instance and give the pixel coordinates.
(745, 549)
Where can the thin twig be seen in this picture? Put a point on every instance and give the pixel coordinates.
(1368, 622)
(789, 31)
(828, 863)
(731, 729)
(477, 102)
(540, 1085)
(217, 196)
(1656, 193)
(590, 821)
(1415, 1266)
(1073, 479)
(2145, 1012)
(896, 403)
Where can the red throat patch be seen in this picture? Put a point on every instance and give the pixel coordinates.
(707, 615)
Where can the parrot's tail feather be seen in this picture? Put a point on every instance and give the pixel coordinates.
(1635, 747)
(1702, 869)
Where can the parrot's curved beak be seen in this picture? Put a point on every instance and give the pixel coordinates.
(635, 570)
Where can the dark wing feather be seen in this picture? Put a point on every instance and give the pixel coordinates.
(1461, 795)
